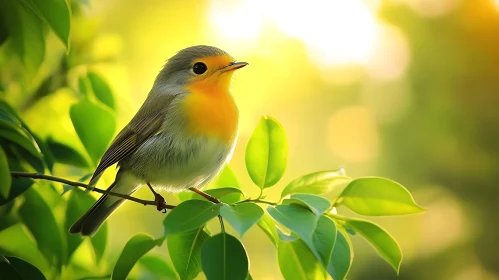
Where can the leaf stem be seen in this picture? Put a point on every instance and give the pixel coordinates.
(33, 175)
(257, 201)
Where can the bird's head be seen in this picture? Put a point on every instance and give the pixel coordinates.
(200, 68)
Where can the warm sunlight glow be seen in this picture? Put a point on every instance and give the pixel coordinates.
(335, 32)
(236, 19)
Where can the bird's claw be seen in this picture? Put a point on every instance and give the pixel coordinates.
(160, 202)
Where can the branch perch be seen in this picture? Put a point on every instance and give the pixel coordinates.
(33, 175)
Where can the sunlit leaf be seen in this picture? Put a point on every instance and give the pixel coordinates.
(297, 261)
(242, 216)
(383, 242)
(226, 178)
(378, 197)
(267, 225)
(266, 153)
(341, 259)
(56, 14)
(5, 179)
(94, 125)
(157, 268)
(26, 33)
(134, 249)
(83, 85)
(185, 251)
(324, 238)
(315, 203)
(317, 183)
(223, 257)
(190, 215)
(296, 218)
(13, 268)
(38, 217)
(101, 89)
(66, 154)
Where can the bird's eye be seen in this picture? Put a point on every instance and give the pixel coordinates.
(199, 68)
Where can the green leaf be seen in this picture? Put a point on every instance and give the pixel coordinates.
(226, 178)
(56, 14)
(297, 261)
(298, 219)
(341, 259)
(378, 197)
(5, 179)
(17, 135)
(267, 225)
(157, 268)
(134, 249)
(242, 216)
(101, 90)
(266, 153)
(48, 158)
(317, 183)
(26, 32)
(65, 154)
(227, 195)
(17, 241)
(223, 257)
(16, 269)
(383, 242)
(19, 186)
(190, 215)
(78, 203)
(94, 125)
(324, 238)
(37, 215)
(315, 203)
(185, 251)
(83, 85)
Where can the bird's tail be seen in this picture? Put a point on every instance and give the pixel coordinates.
(90, 222)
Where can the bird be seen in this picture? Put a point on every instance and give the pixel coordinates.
(181, 137)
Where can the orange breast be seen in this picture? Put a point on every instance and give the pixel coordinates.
(211, 110)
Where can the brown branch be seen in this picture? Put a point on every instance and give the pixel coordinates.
(33, 175)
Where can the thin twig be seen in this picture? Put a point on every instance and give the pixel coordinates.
(33, 175)
(257, 201)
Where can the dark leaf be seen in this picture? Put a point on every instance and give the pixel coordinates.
(13, 268)
(39, 219)
(65, 154)
(223, 257)
(5, 179)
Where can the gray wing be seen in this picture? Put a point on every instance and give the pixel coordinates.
(140, 128)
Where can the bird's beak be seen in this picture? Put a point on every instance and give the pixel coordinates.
(234, 66)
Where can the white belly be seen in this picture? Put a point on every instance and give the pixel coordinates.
(168, 162)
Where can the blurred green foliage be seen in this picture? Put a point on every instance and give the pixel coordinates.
(435, 129)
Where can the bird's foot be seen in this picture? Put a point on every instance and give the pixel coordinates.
(159, 199)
